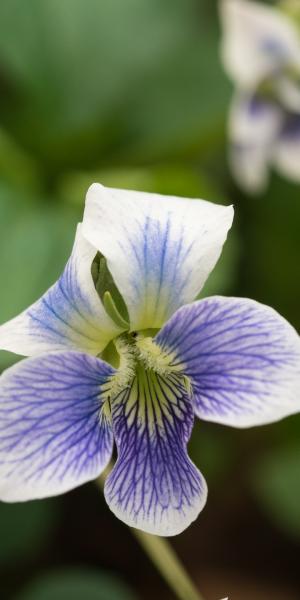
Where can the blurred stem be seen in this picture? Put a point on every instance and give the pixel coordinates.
(164, 558)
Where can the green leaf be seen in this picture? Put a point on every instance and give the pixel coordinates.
(276, 484)
(25, 527)
(17, 167)
(79, 584)
(35, 242)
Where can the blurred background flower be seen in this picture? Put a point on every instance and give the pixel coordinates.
(261, 52)
(133, 94)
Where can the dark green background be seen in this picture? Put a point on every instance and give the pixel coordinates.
(132, 93)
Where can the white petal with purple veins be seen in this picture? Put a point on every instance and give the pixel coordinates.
(54, 431)
(243, 360)
(159, 249)
(154, 485)
(69, 315)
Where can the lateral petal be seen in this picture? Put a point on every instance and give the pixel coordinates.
(68, 316)
(54, 432)
(242, 357)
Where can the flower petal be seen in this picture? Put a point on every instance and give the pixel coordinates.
(286, 153)
(242, 357)
(159, 249)
(254, 125)
(69, 315)
(154, 486)
(258, 41)
(54, 431)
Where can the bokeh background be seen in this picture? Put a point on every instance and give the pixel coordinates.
(132, 93)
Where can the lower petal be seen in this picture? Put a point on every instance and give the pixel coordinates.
(243, 360)
(154, 486)
(54, 431)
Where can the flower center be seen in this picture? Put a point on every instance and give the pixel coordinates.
(152, 400)
(140, 354)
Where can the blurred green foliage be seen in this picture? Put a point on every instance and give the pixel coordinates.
(276, 483)
(115, 80)
(131, 93)
(25, 527)
(79, 584)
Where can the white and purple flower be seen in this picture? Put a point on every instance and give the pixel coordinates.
(261, 53)
(119, 350)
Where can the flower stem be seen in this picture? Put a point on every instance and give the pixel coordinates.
(164, 558)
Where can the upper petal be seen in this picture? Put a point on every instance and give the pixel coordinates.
(154, 486)
(254, 126)
(54, 431)
(242, 357)
(159, 249)
(258, 40)
(69, 315)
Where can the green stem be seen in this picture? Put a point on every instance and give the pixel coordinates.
(164, 558)
(167, 563)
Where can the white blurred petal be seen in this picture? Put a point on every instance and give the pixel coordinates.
(258, 40)
(286, 155)
(253, 128)
(288, 92)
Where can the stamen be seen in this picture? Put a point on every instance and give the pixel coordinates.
(126, 370)
(153, 357)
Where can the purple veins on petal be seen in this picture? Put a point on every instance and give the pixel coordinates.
(54, 431)
(69, 316)
(159, 249)
(154, 486)
(242, 357)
